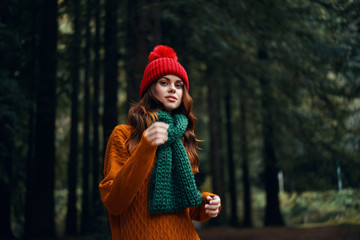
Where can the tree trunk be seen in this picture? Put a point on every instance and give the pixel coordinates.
(217, 166)
(71, 217)
(95, 111)
(7, 124)
(247, 221)
(231, 164)
(111, 69)
(143, 33)
(6, 179)
(39, 216)
(272, 211)
(86, 135)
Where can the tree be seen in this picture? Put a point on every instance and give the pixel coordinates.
(272, 211)
(95, 115)
(71, 216)
(231, 164)
(39, 221)
(217, 169)
(8, 120)
(111, 69)
(247, 216)
(86, 135)
(7, 154)
(143, 34)
(6, 170)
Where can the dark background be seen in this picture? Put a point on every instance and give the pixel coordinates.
(275, 86)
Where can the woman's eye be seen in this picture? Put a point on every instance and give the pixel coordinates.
(179, 85)
(163, 83)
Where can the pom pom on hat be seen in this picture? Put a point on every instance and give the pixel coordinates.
(162, 51)
(162, 61)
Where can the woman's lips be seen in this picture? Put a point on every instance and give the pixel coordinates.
(171, 99)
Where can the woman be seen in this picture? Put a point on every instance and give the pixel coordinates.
(149, 188)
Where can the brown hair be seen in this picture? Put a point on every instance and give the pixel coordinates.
(143, 114)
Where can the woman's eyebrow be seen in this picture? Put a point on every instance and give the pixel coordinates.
(166, 78)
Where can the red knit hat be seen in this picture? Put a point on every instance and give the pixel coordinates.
(162, 61)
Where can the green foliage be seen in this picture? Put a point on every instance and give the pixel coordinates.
(313, 207)
(313, 74)
(328, 207)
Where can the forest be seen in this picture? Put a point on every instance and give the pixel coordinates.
(276, 91)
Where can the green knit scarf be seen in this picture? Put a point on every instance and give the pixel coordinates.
(172, 184)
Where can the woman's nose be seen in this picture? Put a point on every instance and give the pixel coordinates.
(172, 88)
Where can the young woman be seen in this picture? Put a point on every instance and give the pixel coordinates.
(149, 188)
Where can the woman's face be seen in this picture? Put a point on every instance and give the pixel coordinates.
(169, 91)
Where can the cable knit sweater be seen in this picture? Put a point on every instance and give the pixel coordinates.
(124, 192)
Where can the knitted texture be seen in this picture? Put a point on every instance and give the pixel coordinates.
(172, 184)
(162, 61)
(125, 189)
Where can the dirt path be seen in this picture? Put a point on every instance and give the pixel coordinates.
(315, 233)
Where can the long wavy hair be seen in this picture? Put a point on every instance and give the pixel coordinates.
(143, 114)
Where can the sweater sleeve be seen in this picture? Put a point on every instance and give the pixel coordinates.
(198, 213)
(124, 173)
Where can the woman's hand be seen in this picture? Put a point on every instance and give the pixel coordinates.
(157, 133)
(212, 208)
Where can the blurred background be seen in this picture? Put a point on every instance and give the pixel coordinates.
(275, 86)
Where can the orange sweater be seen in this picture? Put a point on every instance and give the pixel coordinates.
(124, 192)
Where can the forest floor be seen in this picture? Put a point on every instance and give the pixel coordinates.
(334, 232)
